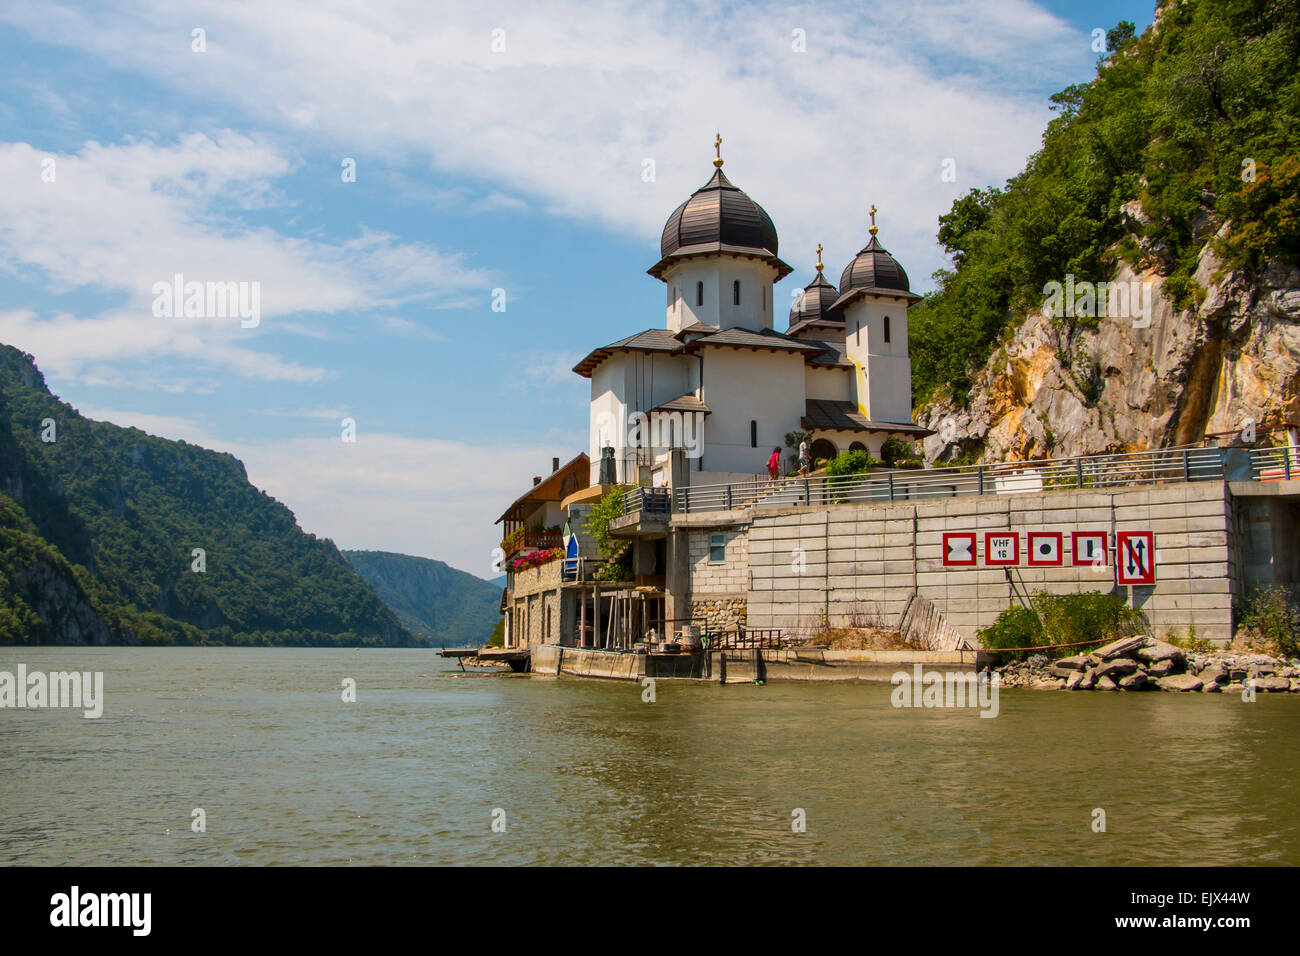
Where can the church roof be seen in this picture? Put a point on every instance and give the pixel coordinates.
(749, 339)
(651, 340)
(814, 305)
(830, 415)
(873, 271)
(718, 218)
(683, 403)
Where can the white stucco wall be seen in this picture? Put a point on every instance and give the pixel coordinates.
(718, 273)
(741, 385)
(886, 394)
(829, 383)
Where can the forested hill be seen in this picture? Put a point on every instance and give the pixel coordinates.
(101, 530)
(430, 598)
(1178, 165)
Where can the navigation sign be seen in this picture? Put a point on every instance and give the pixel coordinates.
(1135, 557)
(1044, 548)
(1001, 547)
(958, 548)
(1089, 548)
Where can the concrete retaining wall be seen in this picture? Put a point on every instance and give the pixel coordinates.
(859, 563)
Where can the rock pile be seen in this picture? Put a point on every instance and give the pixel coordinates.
(1143, 663)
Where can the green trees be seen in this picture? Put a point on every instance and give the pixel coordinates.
(118, 515)
(1199, 120)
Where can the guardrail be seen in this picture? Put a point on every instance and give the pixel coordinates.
(1189, 463)
(649, 501)
(1275, 464)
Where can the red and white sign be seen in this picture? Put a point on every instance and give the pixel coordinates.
(1088, 548)
(1044, 548)
(1135, 557)
(1001, 548)
(958, 548)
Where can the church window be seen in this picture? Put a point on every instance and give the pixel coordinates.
(699, 293)
(717, 549)
(764, 298)
(753, 433)
(735, 292)
(886, 328)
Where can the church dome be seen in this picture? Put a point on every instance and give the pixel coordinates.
(815, 303)
(873, 268)
(719, 214)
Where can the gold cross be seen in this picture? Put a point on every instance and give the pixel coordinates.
(873, 219)
(819, 257)
(717, 146)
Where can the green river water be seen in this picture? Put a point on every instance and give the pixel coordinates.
(584, 771)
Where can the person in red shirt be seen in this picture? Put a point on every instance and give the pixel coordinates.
(773, 464)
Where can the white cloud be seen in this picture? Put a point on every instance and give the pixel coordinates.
(121, 218)
(582, 94)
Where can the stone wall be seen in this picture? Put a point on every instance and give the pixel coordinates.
(862, 562)
(719, 613)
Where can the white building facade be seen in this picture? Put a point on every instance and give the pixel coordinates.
(720, 381)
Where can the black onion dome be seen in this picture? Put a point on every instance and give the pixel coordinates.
(873, 268)
(719, 212)
(815, 303)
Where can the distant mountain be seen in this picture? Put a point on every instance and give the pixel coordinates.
(112, 536)
(431, 598)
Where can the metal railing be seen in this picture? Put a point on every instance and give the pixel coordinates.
(1097, 471)
(737, 637)
(651, 502)
(1275, 464)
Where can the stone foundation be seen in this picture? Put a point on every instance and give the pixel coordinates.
(720, 612)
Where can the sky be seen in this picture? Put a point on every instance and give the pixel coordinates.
(381, 174)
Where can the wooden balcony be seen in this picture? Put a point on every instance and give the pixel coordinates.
(535, 539)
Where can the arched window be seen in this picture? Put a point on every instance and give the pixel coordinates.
(699, 293)
(886, 328)
(735, 292)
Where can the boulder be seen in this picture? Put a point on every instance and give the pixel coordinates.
(1135, 681)
(1162, 668)
(1089, 680)
(1117, 667)
(1261, 670)
(1180, 682)
(1232, 688)
(1161, 651)
(1075, 679)
(1272, 684)
(1124, 647)
(1079, 662)
(1214, 673)
(1295, 684)
(1105, 683)
(1047, 684)
(1211, 688)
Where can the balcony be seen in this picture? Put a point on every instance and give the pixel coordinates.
(533, 539)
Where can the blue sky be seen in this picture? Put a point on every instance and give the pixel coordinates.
(519, 168)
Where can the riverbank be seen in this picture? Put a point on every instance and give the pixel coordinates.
(1143, 663)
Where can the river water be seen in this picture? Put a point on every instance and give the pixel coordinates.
(584, 771)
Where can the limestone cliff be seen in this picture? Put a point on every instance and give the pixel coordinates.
(1059, 389)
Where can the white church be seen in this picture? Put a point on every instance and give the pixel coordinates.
(738, 386)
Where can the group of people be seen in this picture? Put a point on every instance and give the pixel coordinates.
(774, 462)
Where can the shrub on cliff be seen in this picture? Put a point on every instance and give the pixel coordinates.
(1273, 613)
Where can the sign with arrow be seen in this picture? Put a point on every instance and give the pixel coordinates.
(1135, 557)
(958, 548)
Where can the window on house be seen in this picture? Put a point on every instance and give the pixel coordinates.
(699, 293)
(753, 433)
(857, 331)
(735, 292)
(886, 328)
(717, 549)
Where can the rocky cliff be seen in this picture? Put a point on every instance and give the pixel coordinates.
(1147, 379)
